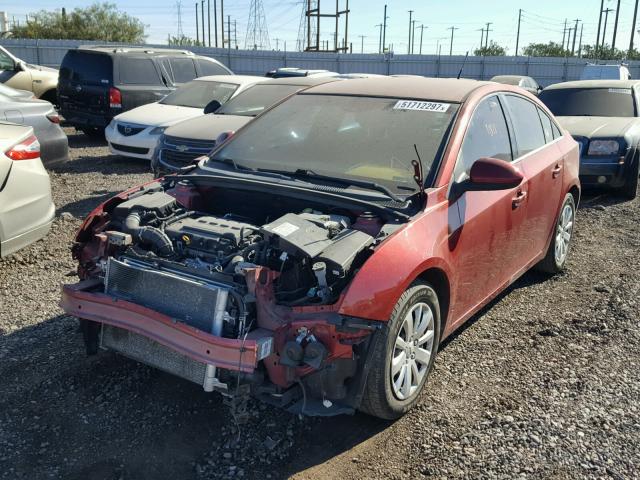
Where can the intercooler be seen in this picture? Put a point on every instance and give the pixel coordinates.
(144, 350)
(193, 300)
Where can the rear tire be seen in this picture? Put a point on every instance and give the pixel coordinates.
(630, 187)
(94, 133)
(556, 259)
(404, 354)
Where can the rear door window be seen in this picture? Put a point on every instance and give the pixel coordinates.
(547, 127)
(487, 136)
(138, 71)
(86, 67)
(208, 67)
(527, 127)
(184, 69)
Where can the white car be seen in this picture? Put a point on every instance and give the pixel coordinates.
(135, 133)
(26, 207)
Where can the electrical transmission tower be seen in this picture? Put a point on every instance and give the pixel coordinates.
(179, 9)
(303, 33)
(257, 33)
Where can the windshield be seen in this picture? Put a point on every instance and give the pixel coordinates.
(199, 93)
(359, 138)
(594, 102)
(256, 99)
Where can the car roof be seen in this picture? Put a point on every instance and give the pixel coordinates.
(123, 50)
(595, 84)
(299, 81)
(238, 79)
(419, 88)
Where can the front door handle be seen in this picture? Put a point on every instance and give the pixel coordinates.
(518, 199)
(556, 171)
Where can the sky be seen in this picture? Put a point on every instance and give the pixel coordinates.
(542, 20)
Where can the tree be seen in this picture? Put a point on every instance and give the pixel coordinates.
(551, 49)
(100, 21)
(182, 41)
(491, 50)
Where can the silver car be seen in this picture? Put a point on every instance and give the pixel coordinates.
(26, 207)
(45, 121)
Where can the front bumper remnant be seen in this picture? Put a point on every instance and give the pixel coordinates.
(85, 300)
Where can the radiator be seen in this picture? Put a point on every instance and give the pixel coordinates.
(192, 300)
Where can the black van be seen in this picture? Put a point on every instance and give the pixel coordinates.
(97, 83)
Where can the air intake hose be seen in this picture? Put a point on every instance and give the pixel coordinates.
(150, 235)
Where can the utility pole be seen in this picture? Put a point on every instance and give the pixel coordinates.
(604, 30)
(384, 28)
(422, 27)
(453, 29)
(235, 33)
(564, 33)
(380, 40)
(277, 43)
(362, 37)
(209, 20)
(222, 22)
(481, 30)
(518, 35)
(409, 42)
(413, 38)
(215, 22)
(633, 28)
(575, 33)
(202, 17)
(197, 27)
(615, 28)
(228, 34)
(486, 39)
(580, 45)
(599, 24)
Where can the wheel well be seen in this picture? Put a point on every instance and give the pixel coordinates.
(439, 281)
(575, 192)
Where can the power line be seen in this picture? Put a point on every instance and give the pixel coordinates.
(257, 37)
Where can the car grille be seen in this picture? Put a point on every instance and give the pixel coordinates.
(178, 152)
(204, 146)
(128, 149)
(128, 130)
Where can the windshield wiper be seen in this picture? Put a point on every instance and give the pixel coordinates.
(306, 173)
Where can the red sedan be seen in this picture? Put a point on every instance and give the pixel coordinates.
(318, 257)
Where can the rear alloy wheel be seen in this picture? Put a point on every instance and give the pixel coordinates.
(556, 258)
(403, 354)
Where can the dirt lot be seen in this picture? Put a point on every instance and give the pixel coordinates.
(543, 384)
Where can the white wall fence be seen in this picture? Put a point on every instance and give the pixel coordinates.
(546, 70)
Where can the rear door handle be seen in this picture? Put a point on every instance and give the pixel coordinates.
(518, 199)
(556, 171)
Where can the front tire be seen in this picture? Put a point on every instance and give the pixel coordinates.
(556, 259)
(404, 354)
(630, 188)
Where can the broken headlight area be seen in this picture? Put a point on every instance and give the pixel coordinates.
(228, 289)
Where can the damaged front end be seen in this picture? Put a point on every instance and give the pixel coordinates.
(238, 291)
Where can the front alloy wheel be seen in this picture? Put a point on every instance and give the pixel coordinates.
(412, 353)
(403, 353)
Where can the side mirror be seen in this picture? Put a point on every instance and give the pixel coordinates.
(17, 67)
(489, 174)
(223, 137)
(212, 106)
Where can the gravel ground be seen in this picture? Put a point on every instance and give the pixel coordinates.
(543, 384)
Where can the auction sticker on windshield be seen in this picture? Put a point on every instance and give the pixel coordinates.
(421, 106)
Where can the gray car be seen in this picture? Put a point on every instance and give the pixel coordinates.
(45, 121)
(522, 81)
